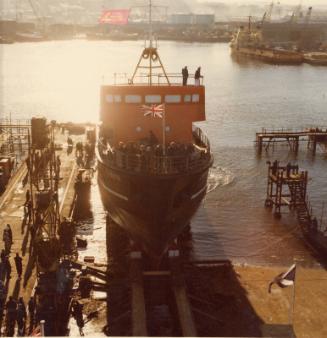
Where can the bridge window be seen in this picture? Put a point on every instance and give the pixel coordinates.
(172, 98)
(152, 98)
(117, 98)
(195, 98)
(187, 98)
(133, 99)
(113, 98)
(110, 98)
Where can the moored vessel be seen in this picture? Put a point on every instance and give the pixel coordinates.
(152, 161)
(316, 58)
(249, 43)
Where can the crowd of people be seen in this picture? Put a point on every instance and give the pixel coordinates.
(15, 309)
(152, 157)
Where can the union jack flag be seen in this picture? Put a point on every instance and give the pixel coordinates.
(153, 110)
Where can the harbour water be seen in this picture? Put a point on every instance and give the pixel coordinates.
(61, 80)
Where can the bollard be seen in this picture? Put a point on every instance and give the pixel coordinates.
(42, 323)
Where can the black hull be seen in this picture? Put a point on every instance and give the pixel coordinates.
(153, 209)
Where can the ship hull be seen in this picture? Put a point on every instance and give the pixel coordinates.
(269, 55)
(153, 209)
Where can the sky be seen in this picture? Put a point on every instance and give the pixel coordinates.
(286, 2)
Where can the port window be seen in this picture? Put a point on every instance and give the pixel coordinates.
(110, 98)
(173, 98)
(152, 98)
(168, 129)
(187, 98)
(138, 129)
(195, 98)
(117, 98)
(133, 99)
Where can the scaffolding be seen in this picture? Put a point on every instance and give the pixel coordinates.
(14, 138)
(286, 186)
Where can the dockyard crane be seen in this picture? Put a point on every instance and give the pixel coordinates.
(308, 16)
(39, 16)
(297, 13)
(267, 16)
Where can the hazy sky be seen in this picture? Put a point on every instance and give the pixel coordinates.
(305, 3)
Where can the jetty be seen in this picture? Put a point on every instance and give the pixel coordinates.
(313, 137)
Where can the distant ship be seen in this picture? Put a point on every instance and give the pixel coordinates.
(153, 162)
(249, 43)
(316, 58)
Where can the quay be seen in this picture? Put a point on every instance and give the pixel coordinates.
(312, 136)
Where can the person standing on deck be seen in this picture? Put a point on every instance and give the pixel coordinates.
(185, 75)
(197, 76)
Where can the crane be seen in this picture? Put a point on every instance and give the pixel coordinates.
(267, 16)
(308, 16)
(36, 11)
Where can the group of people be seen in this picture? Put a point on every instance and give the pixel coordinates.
(16, 313)
(197, 76)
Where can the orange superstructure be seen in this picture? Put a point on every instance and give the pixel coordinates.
(121, 111)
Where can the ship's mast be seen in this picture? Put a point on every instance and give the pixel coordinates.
(151, 54)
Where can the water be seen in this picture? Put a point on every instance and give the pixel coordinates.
(61, 80)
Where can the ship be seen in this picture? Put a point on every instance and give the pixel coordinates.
(316, 58)
(249, 42)
(153, 162)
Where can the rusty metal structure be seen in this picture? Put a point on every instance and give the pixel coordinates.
(14, 138)
(287, 186)
(314, 137)
(44, 170)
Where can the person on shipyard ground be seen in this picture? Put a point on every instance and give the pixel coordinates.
(21, 317)
(7, 268)
(31, 311)
(77, 313)
(19, 265)
(11, 309)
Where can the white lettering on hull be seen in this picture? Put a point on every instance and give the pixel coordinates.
(199, 192)
(114, 192)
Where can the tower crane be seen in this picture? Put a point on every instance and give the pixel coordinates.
(267, 16)
(308, 16)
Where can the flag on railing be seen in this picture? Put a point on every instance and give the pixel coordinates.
(153, 110)
(284, 279)
(115, 17)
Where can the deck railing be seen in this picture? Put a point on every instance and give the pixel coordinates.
(157, 79)
(190, 159)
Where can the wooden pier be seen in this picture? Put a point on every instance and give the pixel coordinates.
(312, 136)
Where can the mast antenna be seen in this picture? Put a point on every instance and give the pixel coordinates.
(150, 54)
